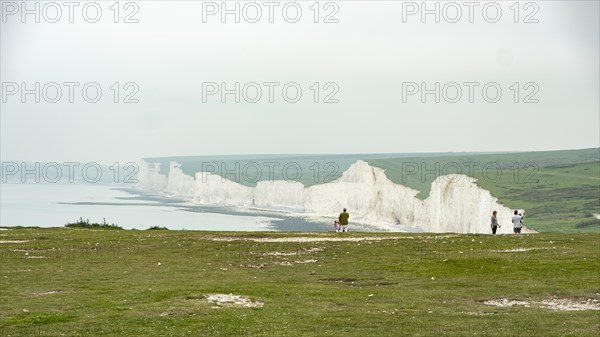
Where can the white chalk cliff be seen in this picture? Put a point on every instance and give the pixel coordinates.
(455, 203)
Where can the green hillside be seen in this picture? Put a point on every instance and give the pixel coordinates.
(248, 170)
(560, 190)
(307, 169)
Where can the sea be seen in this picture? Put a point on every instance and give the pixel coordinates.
(54, 205)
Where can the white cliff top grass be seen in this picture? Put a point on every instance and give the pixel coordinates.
(194, 283)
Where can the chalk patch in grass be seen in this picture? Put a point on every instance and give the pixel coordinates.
(504, 302)
(321, 239)
(291, 263)
(255, 266)
(311, 250)
(516, 250)
(280, 253)
(306, 239)
(307, 261)
(284, 263)
(14, 241)
(45, 293)
(233, 301)
(561, 304)
(570, 305)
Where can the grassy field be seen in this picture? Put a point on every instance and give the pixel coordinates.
(81, 282)
(508, 169)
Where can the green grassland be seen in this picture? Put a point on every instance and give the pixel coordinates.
(82, 282)
(317, 169)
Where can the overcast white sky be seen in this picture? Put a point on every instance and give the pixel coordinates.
(368, 54)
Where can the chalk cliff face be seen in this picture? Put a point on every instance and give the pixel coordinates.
(369, 194)
(455, 203)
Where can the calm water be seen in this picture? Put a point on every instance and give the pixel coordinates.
(52, 205)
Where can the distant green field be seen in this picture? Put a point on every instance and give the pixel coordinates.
(248, 170)
(560, 190)
(78, 282)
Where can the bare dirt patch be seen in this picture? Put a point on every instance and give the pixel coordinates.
(339, 279)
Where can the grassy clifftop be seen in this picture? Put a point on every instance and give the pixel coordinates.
(79, 282)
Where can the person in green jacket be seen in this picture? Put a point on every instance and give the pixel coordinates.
(343, 219)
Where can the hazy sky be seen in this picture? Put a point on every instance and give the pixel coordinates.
(377, 59)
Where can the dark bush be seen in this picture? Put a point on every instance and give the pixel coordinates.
(158, 228)
(86, 224)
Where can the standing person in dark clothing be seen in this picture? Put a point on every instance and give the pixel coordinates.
(495, 224)
(343, 219)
